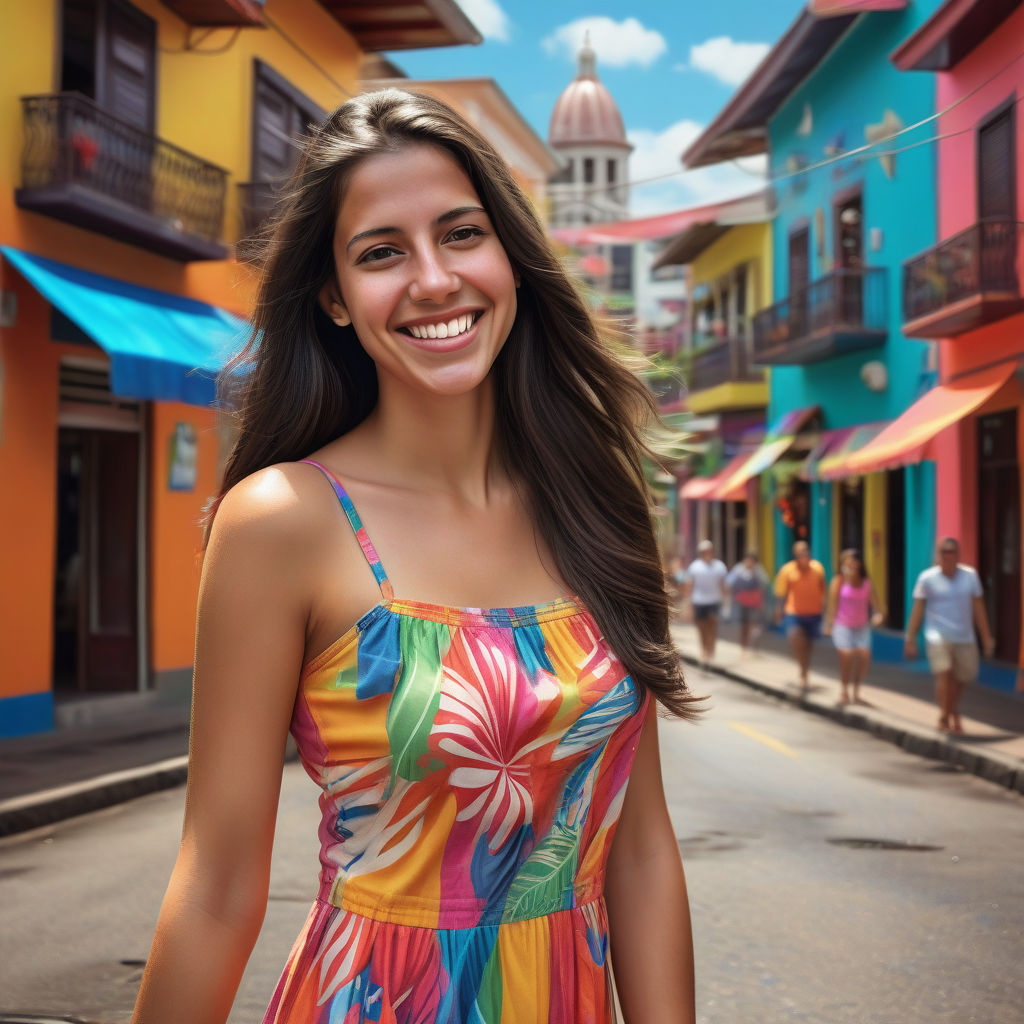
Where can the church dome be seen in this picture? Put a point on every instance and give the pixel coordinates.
(585, 113)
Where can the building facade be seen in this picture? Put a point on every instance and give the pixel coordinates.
(965, 294)
(142, 141)
(848, 209)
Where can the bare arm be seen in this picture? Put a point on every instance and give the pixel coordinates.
(878, 609)
(988, 643)
(249, 646)
(833, 603)
(913, 628)
(648, 908)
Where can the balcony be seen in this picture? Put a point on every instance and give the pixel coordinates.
(84, 167)
(967, 281)
(842, 312)
(722, 378)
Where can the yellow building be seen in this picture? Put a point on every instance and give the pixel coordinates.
(727, 250)
(141, 141)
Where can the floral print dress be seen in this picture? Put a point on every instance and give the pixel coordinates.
(472, 766)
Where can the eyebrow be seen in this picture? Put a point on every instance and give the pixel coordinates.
(459, 211)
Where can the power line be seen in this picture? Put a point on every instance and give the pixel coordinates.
(769, 179)
(298, 49)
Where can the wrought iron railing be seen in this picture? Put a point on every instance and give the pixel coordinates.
(720, 363)
(69, 140)
(985, 258)
(848, 300)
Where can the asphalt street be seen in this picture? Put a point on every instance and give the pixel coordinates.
(833, 878)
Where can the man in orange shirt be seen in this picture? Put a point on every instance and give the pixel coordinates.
(801, 585)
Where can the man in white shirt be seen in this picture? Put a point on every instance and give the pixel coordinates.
(706, 589)
(948, 600)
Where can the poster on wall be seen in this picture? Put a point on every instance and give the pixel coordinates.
(183, 456)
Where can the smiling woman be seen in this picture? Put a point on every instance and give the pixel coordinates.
(494, 821)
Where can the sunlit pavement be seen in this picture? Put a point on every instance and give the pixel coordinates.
(897, 704)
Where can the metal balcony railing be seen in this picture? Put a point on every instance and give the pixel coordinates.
(843, 311)
(721, 363)
(966, 281)
(82, 165)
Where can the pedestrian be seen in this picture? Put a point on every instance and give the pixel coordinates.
(677, 585)
(706, 590)
(419, 354)
(853, 608)
(800, 586)
(948, 600)
(747, 582)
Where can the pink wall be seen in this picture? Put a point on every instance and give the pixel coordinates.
(956, 470)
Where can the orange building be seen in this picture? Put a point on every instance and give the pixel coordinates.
(141, 142)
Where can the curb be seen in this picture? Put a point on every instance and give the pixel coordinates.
(23, 813)
(1003, 771)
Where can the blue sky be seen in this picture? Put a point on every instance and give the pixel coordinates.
(670, 66)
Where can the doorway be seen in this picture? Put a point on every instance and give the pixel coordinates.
(999, 529)
(799, 279)
(895, 565)
(849, 235)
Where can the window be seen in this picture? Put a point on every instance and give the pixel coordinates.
(996, 198)
(108, 53)
(281, 115)
(622, 268)
(611, 172)
(588, 170)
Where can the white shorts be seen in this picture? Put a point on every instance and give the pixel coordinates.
(851, 638)
(960, 659)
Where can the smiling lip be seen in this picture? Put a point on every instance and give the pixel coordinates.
(450, 344)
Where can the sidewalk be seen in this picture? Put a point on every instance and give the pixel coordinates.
(106, 758)
(898, 703)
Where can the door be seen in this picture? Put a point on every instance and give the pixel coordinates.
(96, 641)
(851, 514)
(999, 551)
(849, 235)
(799, 278)
(997, 206)
(896, 567)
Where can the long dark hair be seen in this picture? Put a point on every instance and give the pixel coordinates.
(570, 415)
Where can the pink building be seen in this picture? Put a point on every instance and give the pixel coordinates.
(965, 292)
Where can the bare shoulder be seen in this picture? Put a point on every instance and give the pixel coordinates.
(268, 524)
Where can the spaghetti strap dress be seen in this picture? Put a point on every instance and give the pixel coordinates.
(472, 764)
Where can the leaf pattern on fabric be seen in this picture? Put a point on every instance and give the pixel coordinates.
(346, 951)
(545, 881)
(600, 720)
(416, 697)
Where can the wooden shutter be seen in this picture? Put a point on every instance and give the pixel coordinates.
(128, 62)
(995, 168)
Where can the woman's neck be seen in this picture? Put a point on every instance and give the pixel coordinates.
(437, 442)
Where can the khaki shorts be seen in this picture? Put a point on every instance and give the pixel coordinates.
(960, 659)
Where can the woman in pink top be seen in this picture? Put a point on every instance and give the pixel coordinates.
(853, 608)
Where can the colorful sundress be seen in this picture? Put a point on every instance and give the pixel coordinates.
(473, 764)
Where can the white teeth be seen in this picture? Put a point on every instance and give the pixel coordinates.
(456, 326)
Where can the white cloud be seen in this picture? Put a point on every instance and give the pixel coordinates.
(616, 43)
(489, 18)
(725, 59)
(658, 153)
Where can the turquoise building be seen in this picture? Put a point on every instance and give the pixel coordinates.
(854, 196)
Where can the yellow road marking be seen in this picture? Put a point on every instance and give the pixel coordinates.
(768, 741)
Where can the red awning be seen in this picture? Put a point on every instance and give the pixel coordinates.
(645, 228)
(710, 488)
(908, 437)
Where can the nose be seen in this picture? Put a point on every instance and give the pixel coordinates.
(433, 280)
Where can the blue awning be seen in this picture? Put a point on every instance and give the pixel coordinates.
(161, 346)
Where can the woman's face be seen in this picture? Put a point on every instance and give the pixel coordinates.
(851, 565)
(422, 275)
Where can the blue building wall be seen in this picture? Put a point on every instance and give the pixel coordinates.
(828, 114)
